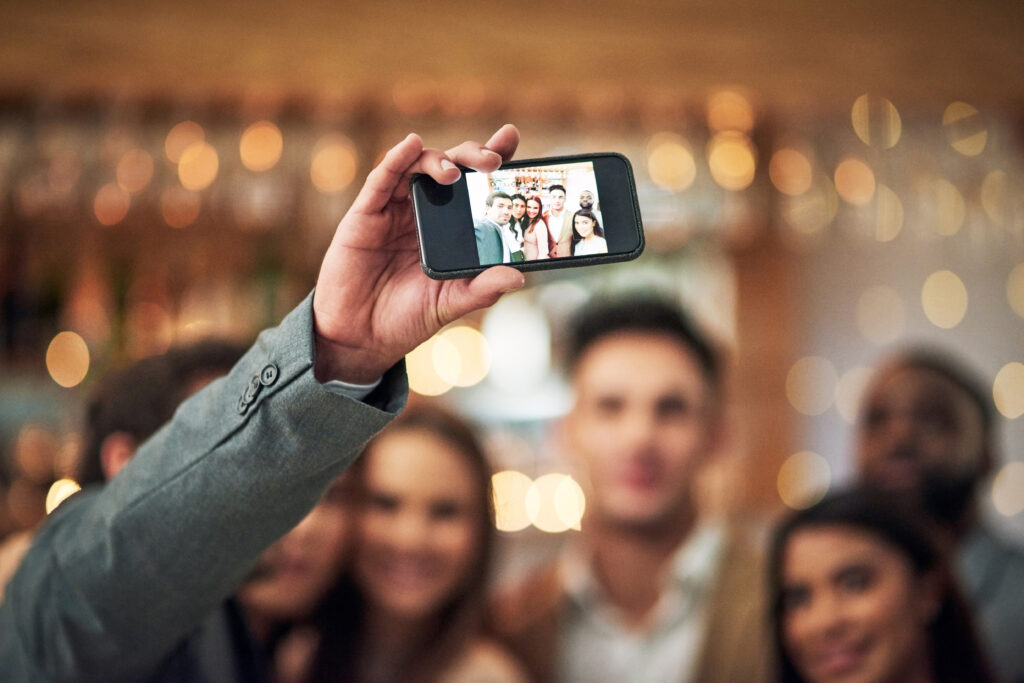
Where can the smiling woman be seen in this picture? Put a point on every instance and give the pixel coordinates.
(861, 593)
(412, 608)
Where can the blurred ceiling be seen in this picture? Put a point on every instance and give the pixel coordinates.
(792, 56)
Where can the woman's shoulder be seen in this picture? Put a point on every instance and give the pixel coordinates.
(485, 661)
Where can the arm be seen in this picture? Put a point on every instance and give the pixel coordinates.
(119, 576)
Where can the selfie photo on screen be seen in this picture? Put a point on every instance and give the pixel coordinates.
(536, 213)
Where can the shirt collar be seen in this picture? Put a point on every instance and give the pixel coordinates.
(690, 571)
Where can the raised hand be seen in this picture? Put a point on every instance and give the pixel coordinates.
(373, 304)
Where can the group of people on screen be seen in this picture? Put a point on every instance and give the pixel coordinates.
(517, 227)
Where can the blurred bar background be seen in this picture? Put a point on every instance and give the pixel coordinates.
(820, 182)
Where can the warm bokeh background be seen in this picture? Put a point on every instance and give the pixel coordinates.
(822, 182)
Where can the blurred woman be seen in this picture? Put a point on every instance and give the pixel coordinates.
(860, 592)
(537, 242)
(292, 578)
(413, 607)
(587, 234)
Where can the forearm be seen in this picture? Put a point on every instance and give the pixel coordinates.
(118, 578)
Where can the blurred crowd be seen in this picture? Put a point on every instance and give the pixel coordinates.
(386, 576)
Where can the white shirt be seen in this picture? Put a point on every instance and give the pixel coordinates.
(510, 242)
(597, 245)
(598, 646)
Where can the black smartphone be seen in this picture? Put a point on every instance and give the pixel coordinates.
(532, 214)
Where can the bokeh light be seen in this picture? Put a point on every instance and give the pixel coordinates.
(888, 214)
(555, 503)
(812, 211)
(261, 146)
(67, 359)
(803, 480)
(732, 160)
(59, 491)
(944, 299)
(1015, 289)
(135, 171)
(849, 391)
(876, 121)
(994, 196)
(198, 166)
(179, 207)
(414, 96)
(965, 129)
(670, 162)
(509, 489)
(1008, 390)
(728, 110)
(790, 171)
(1008, 489)
(811, 385)
(880, 314)
(421, 369)
(461, 356)
(855, 182)
(150, 329)
(111, 204)
(334, 163)
(948, 209)
(181, 137)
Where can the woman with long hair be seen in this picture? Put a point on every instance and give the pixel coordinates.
(861, 592)
(587, 234)
(537, 242)
(412, 607)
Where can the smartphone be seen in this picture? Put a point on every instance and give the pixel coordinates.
(532, 214)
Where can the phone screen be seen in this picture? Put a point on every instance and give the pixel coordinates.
(533, 214)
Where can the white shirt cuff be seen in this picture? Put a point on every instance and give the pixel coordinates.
(354, 391)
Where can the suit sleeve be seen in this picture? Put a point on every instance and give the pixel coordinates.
(118, 576)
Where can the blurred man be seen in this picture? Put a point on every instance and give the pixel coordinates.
(121, 577)
(490, 246)
(559, 221)
(650, 592)
(926, 429)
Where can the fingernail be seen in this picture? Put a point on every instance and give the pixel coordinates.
(494, 154)
(447, 165)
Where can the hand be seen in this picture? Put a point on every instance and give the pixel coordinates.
(373, 303)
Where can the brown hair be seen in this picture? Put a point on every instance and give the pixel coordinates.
(340, 621)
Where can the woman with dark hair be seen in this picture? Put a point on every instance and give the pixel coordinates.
(587, 234)
(537, 240)
(412, 608)
(860, 592)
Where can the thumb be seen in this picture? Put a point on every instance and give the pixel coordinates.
(469, 295)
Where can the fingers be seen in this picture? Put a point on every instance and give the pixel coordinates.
(391, 173)
(390, 178)
(504, 141)
(482, 291)
(487, 157)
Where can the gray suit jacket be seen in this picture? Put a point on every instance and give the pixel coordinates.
(119, 579)
(992, 572)
(488, 241)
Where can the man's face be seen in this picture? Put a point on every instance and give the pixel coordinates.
(586, 199)
(642, 423)
(557, 200)
(499, 210)
(916, 427)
